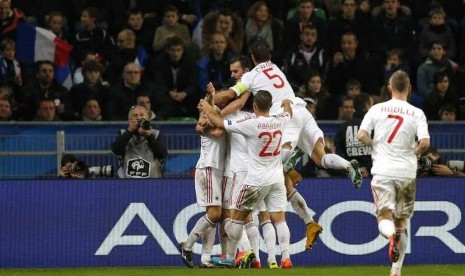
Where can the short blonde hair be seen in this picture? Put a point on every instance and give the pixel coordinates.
(400, 81)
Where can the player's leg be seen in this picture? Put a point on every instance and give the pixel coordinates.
(208, 239)
(253, 236)
(208, 196)
(334, 161)
(405, 199)
(276, 202)
(269, 235)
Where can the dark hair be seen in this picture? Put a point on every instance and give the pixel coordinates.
(92, 65)
(5, 43)
(439, 76)
(437, 42)
(243, 60)
(93, 12)
(447, 107)
(361, 101)
(170, 8)
(135, 11)
(260, 51)
(263, 100)
(67, 158)
(174, 41)
(42, 62)
(251, 13)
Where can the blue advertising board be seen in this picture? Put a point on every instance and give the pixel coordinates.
(53, 223)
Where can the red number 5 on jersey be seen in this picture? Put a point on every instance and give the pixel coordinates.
(264, 152)
(270, 75)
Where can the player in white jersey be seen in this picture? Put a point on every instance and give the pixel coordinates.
(236, 166)
(264, 177)
(208, 190)
(302, 131)
(395, 124)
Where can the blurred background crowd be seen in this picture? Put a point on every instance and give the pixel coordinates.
(161, 54)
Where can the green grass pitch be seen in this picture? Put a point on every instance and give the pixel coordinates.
(408, 270)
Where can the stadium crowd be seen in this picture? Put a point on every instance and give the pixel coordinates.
(163, 53)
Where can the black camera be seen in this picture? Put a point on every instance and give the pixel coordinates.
(144, 124)
(78, 167)
(425, 164)
(103, 171)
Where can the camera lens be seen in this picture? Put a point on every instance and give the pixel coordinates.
(145, 125)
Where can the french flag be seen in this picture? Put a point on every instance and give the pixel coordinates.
(35, 43)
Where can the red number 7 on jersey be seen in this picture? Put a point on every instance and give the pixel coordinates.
(271, 76)
(399, 123)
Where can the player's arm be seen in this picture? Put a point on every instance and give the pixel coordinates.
(224, 96)
(423, 144)
(286, 104)
(364, 137)
(237, 104)
(211, 114)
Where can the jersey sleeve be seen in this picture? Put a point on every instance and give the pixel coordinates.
(367, 122)
(241, 127)
(422, 129)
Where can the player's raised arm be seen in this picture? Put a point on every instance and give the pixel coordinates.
(286, 104)
(211, 114)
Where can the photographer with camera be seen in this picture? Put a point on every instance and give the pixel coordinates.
(72, 168)
(431, 164)
(141, 149)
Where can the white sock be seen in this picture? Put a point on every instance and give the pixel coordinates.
(235, 230)
(397, 266)
(252, 233)
(300, 206)
(269, 235)
(200, 227)
(208, 239)
(223, 235)
(244, 243)
(386, 228)
(334, 161)
(284, 238)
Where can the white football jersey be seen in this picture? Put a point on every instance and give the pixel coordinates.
(395, 124)
(267, 76)
(212, 152)
(263, 137)
(239, 156)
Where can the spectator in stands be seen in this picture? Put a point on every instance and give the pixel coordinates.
(261, 25)
(346, 109)
(92, 88)
(78, 77)
(91, 111)
(44, 87)
(311, 105)
(350, 64)
(55, 23)
(47, 111)
(170, 28)
(436, 62)
(314, 89)
(144, 100)
(353, 88)
(144, 34)
(6, 114)
(347, 144)
(436, 30)
(10, 70)
(305, 15)
(9, 20)
(92, 37)
(440, 95)
(141, 149)
(394, 61)
(226, 22)
(448, 113)
(174, 76)
(124, 93)
(127, 52)
(392, 28)
(306, 57)
(214, 66)
(349, 20)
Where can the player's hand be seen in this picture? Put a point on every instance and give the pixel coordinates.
(211, 89)
(204, 106)
(286, 101)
